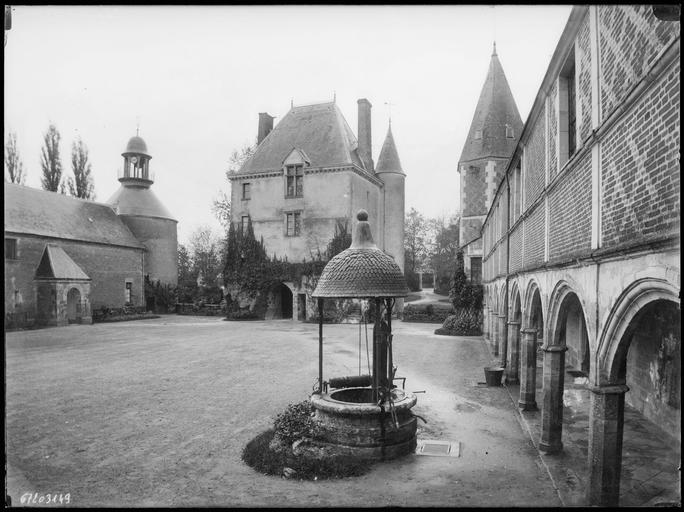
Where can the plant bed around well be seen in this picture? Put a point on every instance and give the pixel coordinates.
(267, 454)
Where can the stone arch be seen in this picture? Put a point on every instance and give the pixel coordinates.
(563, 291)
(528, 303)
(73, 308)
(280, 302)
(514, 302)
(502, 300)
(614, 340)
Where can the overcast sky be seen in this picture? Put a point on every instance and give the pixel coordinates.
(195, 78)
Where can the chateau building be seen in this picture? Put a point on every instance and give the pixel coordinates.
(492, 137)
(581, 242)
(309, 173)
(66, 256)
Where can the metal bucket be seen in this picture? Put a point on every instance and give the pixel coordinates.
(493, 375)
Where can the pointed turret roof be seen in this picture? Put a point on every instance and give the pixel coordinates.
(495, 110)
(388, 161)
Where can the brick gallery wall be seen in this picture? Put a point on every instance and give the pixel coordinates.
(640, 167)
(630, 39)
(535, 162)
(639, 155)
(534, 238)
(570, 211)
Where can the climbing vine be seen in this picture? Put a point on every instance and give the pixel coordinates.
(253, 273)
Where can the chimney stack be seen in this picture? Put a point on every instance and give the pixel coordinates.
(365, 147)
(265, 126)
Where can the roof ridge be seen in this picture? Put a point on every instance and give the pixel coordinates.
(69, 196)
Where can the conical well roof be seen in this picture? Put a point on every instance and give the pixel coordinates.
(362, 271)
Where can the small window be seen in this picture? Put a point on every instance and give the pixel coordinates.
(244, 223)
(509, 132)
(246, 194)
(129, 292)
(10, 248)
(294, 181)
(294, 222)
(478, 134)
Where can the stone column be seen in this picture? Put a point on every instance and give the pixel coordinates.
(500, 326)
(528, 379)
(606, 422)
(513, 362)
(485, 325)
(552, 404)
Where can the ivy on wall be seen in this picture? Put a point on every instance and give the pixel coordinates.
(251, 272)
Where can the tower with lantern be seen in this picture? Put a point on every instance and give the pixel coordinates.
(145, 215)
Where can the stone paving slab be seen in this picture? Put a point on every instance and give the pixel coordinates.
(157, 412)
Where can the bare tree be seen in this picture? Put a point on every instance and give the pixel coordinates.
(81, 185)
(221, 204)
(13, 163)
(50, 161)
(205, 254)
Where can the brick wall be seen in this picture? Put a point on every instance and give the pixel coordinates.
(583, 75)
(534, 238)
(570, 211)
(107, 266)
(535, 161)
(516, 249)
(474, 187)
(640, 167)
(630, 39)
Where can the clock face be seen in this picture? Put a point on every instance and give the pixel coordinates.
(134, 159)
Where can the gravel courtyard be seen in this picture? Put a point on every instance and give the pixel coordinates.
(156, 413)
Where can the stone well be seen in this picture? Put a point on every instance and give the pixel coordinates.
(371, 421)
(351, 423)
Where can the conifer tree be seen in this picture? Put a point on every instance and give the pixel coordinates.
(50, 161)
(81, 185)
(13, 163)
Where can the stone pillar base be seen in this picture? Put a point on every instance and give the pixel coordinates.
(528, 406)
(550, 449)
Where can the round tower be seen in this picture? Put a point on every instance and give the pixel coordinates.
(389, 171)
(145, 215)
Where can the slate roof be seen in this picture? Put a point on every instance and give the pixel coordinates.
(134, 200)
(38, 212)
(389, 158)
(319, 130)
(56, 264)
(361, 271)
(495, 108)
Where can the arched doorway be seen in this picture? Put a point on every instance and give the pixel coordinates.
(279, 302)
(73, 305)
(285, 301)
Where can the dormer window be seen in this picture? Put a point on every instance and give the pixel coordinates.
(294, 181)
(478, 134)
(509, 132)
